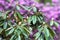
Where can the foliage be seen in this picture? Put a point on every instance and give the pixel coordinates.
(24, 21)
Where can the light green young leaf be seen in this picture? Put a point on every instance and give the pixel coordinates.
(46, 32)
(56, 24)
(0, 14)
(17, 7)
(29, 20)
(19, 38)
(34, 19)
(51, 23)
(34, 9)
(41, 38)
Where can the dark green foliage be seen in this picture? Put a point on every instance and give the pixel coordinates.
(20, 30)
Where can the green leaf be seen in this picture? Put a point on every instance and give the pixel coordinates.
(51, 23)
(17, 7)
(40, 29)
(20, 28)
(23, 32)
(51, 38)
(26, 7)
(26, 29)
(34, 19)
(7, 12)
(9, 23)
(29, 20)
(46, 38)
(52, 33)
(56, 24)
(38, 0)
(34, 9)
(10, 32)
(1, 30)
(40, 19)
(45, 1)
(37, 35)
(19, 16)
(15, 15)
(19, 38)
(30, 29)
(5, 25)
(46, 31)
(12, 37)
(0, 14)
(41, 38)
(4, 16)
(1, 23)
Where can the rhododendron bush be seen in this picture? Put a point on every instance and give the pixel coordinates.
(29, 19)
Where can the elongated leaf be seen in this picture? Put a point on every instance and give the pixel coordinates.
(46, 31)
(51, 37)
(34, 19)
(26, 7)
(34, 9)
(10, 32)
(19, 38)
(51, 23)
(39, 19)
(56, 24)
(29, 20)
(1, 30)
(52, 33)
(19, 16)
(41, 38)
(0, 14)
(40, 29)
(37, 35)
(4, 16)
(12, 37)
(1, 23)
(5, 25)
(17, 7)
(23, 32)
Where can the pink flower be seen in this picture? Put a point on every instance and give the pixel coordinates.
(55, 1)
